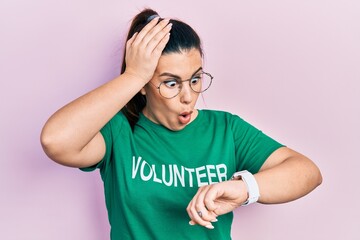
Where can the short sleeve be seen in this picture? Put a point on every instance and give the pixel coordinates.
(110, 132)
(252, 146)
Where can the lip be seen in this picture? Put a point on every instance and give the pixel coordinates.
(185, 117)
(186, 113)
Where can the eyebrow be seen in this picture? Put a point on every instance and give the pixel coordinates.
(176, 76)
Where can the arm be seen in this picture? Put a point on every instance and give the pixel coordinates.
(71, 135)
(285, 176)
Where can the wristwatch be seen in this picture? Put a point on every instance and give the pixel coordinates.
(251, 185)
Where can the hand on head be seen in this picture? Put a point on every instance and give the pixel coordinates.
(144, 49)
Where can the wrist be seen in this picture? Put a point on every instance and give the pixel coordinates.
(241, 188)
(136, 77)
(251, 186)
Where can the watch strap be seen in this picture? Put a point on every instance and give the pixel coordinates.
(251, 184)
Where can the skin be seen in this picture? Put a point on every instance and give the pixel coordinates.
(70, 139)
(166, 111)
(285, 176)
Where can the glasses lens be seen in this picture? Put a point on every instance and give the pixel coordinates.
(170, 89)
(201, 83)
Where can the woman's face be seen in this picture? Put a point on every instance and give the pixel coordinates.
(177, 112)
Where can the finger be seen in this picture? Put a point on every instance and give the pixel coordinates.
(152, 26)
(197, 211)
(159, 41)
(146, 29)
(211, 196)
(155, 30)
(191, 206)
(201, 207)
(160, 47)
(196, 219)
(131, 40)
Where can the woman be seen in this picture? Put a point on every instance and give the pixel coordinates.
(162, 161)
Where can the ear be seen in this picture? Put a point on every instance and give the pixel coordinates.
(143, 91)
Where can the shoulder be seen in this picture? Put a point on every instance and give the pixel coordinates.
(221, 116)
(215, 113)
(117, 124)
(118, 119)
(227, 121)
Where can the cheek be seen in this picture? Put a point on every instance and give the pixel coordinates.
(151, 93)
(162, 105)
(154, 99)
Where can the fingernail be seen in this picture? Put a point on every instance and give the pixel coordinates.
(214, 220)
(169, 25)
(191, 223)
(209, 226)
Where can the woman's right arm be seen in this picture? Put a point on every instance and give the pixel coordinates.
(72, 136)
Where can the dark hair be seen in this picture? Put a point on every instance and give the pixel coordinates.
(182, 38)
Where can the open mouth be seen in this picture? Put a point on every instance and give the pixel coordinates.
(185, 117)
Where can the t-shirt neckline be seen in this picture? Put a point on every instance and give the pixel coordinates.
(144, 121)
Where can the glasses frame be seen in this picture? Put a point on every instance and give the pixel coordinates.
(181, 84)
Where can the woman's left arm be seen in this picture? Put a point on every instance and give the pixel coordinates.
(285, 176)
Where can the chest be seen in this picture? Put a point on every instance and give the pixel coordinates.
(189, 160)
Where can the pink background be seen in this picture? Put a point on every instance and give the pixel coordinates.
(291, 68)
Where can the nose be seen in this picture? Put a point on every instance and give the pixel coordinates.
(186, 94)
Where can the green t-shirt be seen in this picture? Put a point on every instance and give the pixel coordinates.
(151, 174)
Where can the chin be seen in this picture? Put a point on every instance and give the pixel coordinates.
(176, 127)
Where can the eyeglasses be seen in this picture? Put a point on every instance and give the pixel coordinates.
(199, 83)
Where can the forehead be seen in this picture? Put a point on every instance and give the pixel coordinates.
(183, 64)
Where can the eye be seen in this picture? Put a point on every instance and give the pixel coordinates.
(171, 83)
(195, 80)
